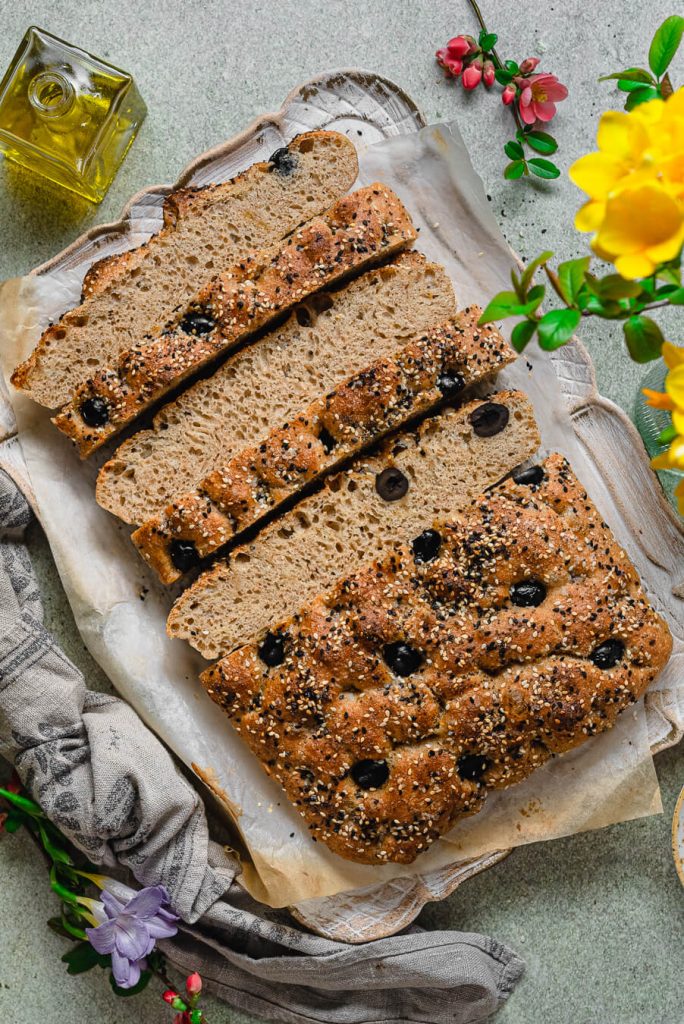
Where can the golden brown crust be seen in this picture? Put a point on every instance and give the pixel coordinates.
(108, 271)
(383, 750)
(365, 407)
(361, 228)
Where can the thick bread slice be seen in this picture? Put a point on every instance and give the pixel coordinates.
(134, 293)
(391, 706)
(445, 464)
(333, 334)
(358, 231)
(363, 408)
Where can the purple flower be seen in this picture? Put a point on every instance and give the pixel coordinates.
(131, 929)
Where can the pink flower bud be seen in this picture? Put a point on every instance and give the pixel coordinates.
(169, 996)
(473, 45)
(452, 65)
(472, 76)
(528, 65)
(194, 984)
(458, 46)
(488, 75)
(508, 95)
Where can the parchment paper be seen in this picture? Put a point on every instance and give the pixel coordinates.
(121, 610)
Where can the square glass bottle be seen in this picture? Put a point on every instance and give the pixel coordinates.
(67, 115)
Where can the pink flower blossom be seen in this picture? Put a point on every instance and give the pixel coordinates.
(458, 46)
(193, 985)
(488, 74)
(472, 76)
(508, 95)
(528, 65)
(539, 96)
(452, 65)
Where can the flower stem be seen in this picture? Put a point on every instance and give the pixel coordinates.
(498, 63)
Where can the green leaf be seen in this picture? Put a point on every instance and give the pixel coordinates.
(571, 277)
(511, 66)
(543, 168)
(535, 297)
(502, 76)
(667, 435)
(502, 305)
(643, 95)
(532, 267)
(124, 992)
(613, 286)
(556, 327)
(644, 338)
(517, 288)
(522, 334)
(541, 141)
(514, 151)
(81, 958)
(55, 852)
(629, 75)
(665, 44)
(625, 86)
(488, 40)
(22, 803)
(14, 821)
(675, 297)
(514, 170)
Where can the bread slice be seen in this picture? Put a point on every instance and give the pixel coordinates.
(363, 408)
(390, 706)
(358, 231)
(134, 293)
(358, 514)
(331, 335)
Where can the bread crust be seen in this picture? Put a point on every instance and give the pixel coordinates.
(499, 687)
(364, 407)
(361, 228)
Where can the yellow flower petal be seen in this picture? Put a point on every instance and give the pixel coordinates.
(678, 424)
(673, 355)
(634, 265)
(674, 385)
(589, 216)
(597, 174)
(622, 136)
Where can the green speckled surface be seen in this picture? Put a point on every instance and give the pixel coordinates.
(598, 917)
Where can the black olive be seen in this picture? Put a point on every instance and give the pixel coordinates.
(327, 440)
(489, 419)
(370, 774)
(94, 412)
(183, 554)
(450, 383)
(529, 477)
(402, 658)
(608, 653)
(391, 484)
(426, 545)
(472, 766)
(197, 321)
(528, 593)
(284, 162)
(272, 649)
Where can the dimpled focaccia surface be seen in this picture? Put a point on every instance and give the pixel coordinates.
(361, 229)
(205, 230)
(331, 335)
(445, 465)
(389, 707)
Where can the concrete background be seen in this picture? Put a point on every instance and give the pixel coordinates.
(598, 917)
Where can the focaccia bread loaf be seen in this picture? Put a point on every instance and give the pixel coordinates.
(383, 396)
(389, 707)
(205, 230)
(382, 499)
(331, 335)
(359, 230)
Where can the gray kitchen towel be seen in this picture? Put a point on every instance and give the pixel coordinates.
(113, 789)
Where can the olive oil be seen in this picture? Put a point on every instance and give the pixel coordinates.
(67, 115)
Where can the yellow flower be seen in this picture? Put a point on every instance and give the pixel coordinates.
(635, 184)
(672, 400)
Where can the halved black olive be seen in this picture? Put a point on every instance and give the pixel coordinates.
(401, 658)
(94, 412)
(183, 554)
(607, 654)
(472, 766)
(391, 484)
(284, 162)
(530, 476)
(450, 383)
(327, 440)
(272, 649)
(489, 419)
(197, 321)
(528, 593)
(426, 545)
(369, 774)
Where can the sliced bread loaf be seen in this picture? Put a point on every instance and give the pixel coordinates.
(358, 231)
(381, 500)
(363, 408)
(331, 335)
(132, 294)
